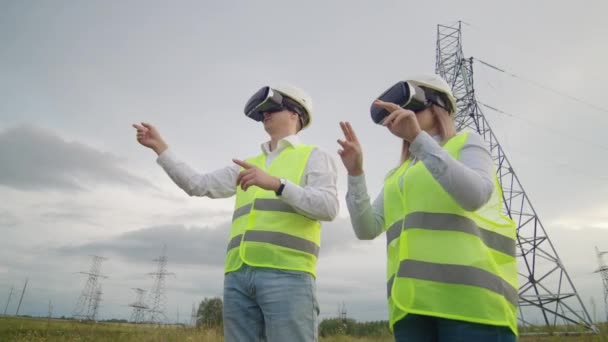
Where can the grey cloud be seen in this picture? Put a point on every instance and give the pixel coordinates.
(196, 245)
(69, 216)
(185, 245)
(338, 237)
(32, 158)
(194, 215)
(68, 211)
(7, 219)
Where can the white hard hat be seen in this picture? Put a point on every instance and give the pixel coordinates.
(437, 83)
(300, 97)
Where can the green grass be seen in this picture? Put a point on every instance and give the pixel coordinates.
(37, 329)
(32, 329)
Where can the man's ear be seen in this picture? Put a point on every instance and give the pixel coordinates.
(299, 122)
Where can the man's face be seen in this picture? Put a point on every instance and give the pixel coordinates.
(275, 120)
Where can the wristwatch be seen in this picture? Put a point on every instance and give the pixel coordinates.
(281, 187)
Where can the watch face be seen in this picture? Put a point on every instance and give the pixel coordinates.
(281, 187)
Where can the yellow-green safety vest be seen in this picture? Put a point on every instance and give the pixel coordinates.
(266, 231)
(445, 261)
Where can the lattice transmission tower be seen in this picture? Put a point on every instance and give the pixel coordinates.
(139, 306)
(87, 306)
(603, 271)
(158, 297)
(547, 296)
(193, 316)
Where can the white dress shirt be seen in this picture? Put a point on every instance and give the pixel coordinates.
(469, 180)
(317, 198)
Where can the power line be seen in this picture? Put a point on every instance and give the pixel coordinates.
(541, 85)
(562, 165)
(522, 52)
(525, 53)
(544, 127)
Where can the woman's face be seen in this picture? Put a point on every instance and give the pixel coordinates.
(427, 121)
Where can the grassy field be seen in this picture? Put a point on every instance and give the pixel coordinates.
(33, 329)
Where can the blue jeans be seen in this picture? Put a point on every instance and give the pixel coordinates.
(418, 328)
(263, 304)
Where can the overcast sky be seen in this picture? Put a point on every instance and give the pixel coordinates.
(74, 76)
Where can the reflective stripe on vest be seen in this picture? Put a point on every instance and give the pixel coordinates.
(393, 232)
(234, 242)
(389, 286)
(452, 222)
(455, 274)
(276, 238)
(268, 204)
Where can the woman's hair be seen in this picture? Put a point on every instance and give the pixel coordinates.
(445, 125)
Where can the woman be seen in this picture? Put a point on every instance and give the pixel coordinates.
(451, 269)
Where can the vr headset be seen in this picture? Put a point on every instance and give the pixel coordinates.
(408, 96)
(268, 100)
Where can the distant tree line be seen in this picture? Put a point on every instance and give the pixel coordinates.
(350, 327)
(210, 313)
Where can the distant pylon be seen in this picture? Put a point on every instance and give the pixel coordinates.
(50, 310)
(603, 271)
(158, 297)
(139, 307)
(10, 294)
(90, 297)
(342, 312)
(21, 298)
(96, 301)
(193, 316)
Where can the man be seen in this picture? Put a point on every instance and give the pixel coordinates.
(281, 195)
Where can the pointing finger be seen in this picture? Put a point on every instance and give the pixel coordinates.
(243, 164)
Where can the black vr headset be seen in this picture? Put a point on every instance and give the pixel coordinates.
(268, 100)
(408, 96)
